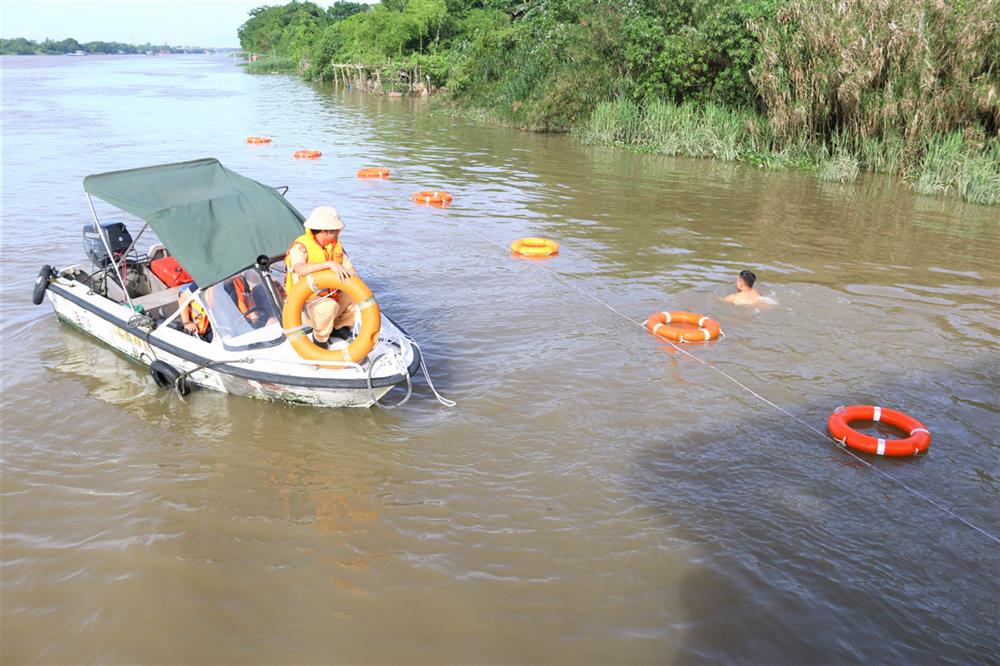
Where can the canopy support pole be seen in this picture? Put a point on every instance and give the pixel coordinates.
(134, 241)
(107, 246)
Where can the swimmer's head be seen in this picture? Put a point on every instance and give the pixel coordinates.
(745, 279)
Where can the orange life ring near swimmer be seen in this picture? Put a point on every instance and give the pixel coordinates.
(307, 154)
(535, 247)
(314, 284)
(658, 323)
(373, 172)
(432, 198)
(258, 139)
(839, 427)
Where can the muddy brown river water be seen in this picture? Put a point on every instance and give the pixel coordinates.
(595, 497)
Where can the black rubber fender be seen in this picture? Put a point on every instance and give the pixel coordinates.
(166, 377)
(41, 284)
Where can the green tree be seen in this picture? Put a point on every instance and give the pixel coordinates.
(284, 29)
(18, 46)
(427, 17)
(341, 9)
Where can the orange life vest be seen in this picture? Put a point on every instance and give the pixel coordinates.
(316, 255)
(198, 316)
(242, 295)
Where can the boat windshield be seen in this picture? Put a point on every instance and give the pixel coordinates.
(243, 311)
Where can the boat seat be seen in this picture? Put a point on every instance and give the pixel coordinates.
(160, 304)
(156, 251)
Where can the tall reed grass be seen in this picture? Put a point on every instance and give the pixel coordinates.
(907, 68)
(948, 166)
(842, 168)
(689, 129)
(943, 164)
(272, 65)
(906, 87)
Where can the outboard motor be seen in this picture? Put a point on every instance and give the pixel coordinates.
(119, 240)
(128, 269)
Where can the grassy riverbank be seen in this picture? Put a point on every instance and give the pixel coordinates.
(944, 164)
(905, 87)
(272, 65)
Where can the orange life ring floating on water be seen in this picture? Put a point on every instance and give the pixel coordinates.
(315, 283)
(917, 442)
(258, 139)
(432, 198)
(307, 154)
(535, 247)
(373, 172)
(658, 323)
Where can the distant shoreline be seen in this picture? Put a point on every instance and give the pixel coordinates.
(71, 47)
(100, 53)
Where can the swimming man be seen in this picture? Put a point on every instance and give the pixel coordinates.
(746, 295)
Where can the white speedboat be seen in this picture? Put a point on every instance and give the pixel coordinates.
(221, 230)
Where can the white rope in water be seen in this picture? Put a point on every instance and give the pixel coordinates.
(427, 376)
(916, 493)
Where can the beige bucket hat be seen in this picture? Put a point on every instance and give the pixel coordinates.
(324, 218)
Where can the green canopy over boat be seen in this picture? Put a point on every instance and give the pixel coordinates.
(214, 221)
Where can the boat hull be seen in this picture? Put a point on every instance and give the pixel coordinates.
(112, 324)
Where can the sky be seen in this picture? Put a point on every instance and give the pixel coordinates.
(176, 22)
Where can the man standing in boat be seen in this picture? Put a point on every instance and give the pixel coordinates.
(319, 249)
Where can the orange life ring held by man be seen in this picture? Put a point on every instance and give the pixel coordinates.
(258, 139)
(432, 198)
(535, 247)
(373, 172)
(307, 154)
(659, 323)
(917, 442)
(317, 283)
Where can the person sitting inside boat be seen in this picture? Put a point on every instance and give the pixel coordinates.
(746, 294)
(193, 316)
(245, 291)
(330, 313)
